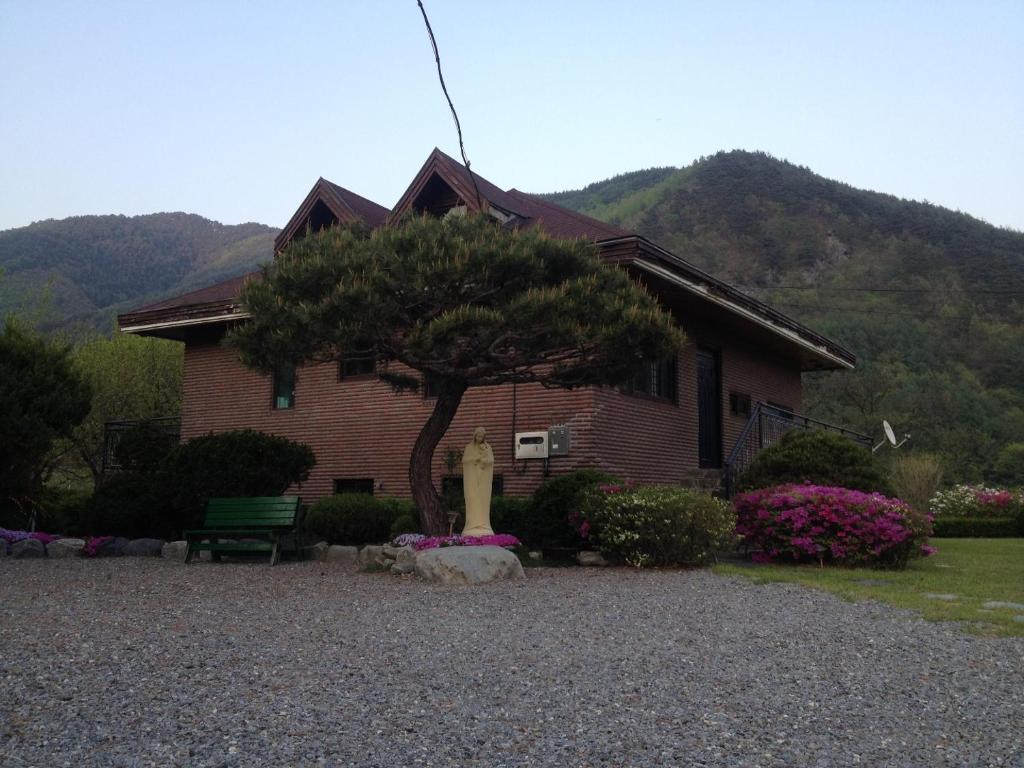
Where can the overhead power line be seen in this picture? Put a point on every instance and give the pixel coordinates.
(859, 289)
(458, 126)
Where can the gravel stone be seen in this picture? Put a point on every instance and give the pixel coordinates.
(28, 548)
(336, 553)
(174, 550)
(66, 548)
(371, 553)
(143, 662)
(143, 548)
(316, 551)
(590, 558)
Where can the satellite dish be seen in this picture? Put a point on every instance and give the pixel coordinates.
(889, 435)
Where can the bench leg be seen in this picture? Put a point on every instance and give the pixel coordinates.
(275, 552)
(188, 552)
(214, 554)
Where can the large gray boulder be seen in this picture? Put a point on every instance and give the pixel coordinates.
(468, 565)
(113, 548)
(336, 553)
(66, 548)
(143, 548)
(316, 551)
(28, 548)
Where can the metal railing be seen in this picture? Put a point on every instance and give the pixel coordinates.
(113, 431)
(766, 426)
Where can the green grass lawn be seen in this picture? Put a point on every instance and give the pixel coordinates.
(975, 570)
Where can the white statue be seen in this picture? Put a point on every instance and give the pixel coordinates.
(477, 476)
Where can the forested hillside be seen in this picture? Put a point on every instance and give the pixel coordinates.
(82, 270)
(930, 300)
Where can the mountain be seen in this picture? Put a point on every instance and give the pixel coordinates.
(83, 270)
(930, 300)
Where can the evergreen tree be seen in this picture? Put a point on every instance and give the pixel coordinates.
(462, 302)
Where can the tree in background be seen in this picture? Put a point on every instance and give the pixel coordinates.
(460, 302)
(42, 398)
(131, 378)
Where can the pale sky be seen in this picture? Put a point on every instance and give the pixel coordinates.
(233, 109)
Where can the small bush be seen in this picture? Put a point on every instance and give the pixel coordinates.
(554, 502)
(512, 515)
(657, 525)
(976, 501)
(63, 511)
(404, 524)
(350, 518)
(976, 527)
(132, 505)
(816, 457)
(915, 477)
(809, 523)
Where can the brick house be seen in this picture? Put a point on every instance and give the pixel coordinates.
(676, 424)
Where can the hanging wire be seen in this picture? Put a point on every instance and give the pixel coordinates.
(458, 126)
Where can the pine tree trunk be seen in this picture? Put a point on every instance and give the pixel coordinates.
(433, 515)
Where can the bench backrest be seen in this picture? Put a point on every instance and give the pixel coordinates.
(252, 512)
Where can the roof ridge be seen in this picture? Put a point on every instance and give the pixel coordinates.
(581, 217)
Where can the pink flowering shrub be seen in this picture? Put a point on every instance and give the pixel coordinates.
(494, 540)
(812, 523)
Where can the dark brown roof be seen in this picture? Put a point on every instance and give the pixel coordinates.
(229, 289)
(219, 303)
(372, 214)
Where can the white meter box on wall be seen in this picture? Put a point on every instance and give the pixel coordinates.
(531, 445)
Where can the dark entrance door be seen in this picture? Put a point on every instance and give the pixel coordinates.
(709, 408)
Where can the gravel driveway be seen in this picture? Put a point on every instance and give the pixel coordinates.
(132, 662)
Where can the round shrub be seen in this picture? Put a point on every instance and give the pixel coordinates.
(819, 458)
(350, 518)
(238, 463)
(512, 515)
(1008, 467)
(554, 504)
(811, 523)
(658, 525)
(404, 524)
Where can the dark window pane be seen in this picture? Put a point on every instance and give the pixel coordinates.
(739, 404)
(354, 485)
(284, 387)
(350, 368)
(656, 378)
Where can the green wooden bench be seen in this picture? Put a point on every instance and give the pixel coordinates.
(266, 517)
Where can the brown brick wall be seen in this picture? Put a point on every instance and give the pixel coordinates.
(360, 429)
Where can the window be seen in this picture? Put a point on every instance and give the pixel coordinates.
(351, 368)
(284, 387)
(739, 404)
(354, 485)
(429, 386)
(657, 378)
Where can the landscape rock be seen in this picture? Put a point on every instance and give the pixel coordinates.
(316, 551)
(588, 557)
(66, 548)
(1003, 604)
(336, 553)
(174, 550)
(945, 597)
(536, 554)
(406, 555)
(370, 554)
(143, 548)
(468, 565)
(402, 569)
(390, 551)
(28, 548)
(113, 548)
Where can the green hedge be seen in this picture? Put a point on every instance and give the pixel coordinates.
(354, 518)
(976, 527)
(547, 524)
